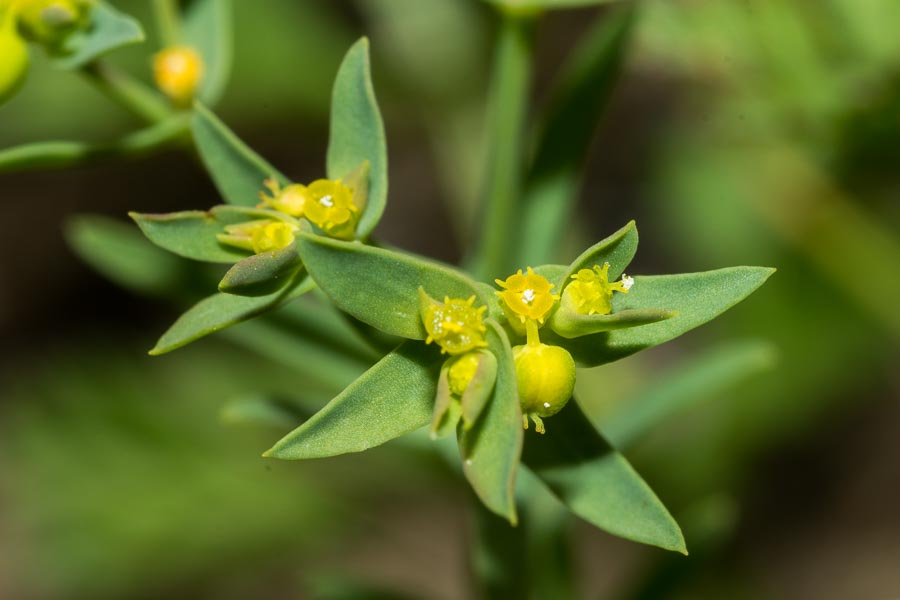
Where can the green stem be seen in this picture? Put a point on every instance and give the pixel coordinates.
(168, 20)
(61, 155)
(135, 96)
(506, 119)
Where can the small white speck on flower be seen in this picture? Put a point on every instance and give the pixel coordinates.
(468, 462)
(528, 296)
(326, 201)
(546, 405)
(627, 282)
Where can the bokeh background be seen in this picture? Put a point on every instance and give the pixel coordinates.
(740, 132)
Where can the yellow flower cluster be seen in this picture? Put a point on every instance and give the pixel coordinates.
(326, 203)
(591, 292)
(457, 326)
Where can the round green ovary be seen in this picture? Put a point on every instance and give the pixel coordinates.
(546, 378)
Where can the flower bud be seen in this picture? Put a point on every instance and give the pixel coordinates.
(178, 71)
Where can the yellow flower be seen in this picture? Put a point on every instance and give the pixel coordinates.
(49, 22)
(261, 235)
(545, 378)
(456, 325)
(289, 200)
(178, 71)
(527, 296)
(330, 206)
(591, 292)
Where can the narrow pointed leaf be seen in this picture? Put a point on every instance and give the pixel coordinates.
(380, 287)
(697, 297)
(219, 311)
(597, 483)
(109, 29)
(119, 252)
(704, 377)
(480, 389)
(569, 324)
(491, 450)
(262, 274)
(392, 398)
(207, 27)
(237, 171)
(357, 132)
(191, 234)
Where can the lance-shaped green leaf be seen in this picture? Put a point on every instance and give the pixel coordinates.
(392, 398)
(109, 29)
(570, 324)
(357, 132)
(597, 483)
(120, 253)
(697, 297)
(479, 390)
(701, 378)
(447, 409)
(191, 234)
(219, 311)
(237, 171)
(491, 449)
(577, 102)
(262, 273)
(377, 286)
(206, 27)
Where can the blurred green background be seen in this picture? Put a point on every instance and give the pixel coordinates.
(763, 132)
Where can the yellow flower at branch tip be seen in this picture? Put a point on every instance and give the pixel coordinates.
(461, 372)
(50, 21)
(545, 378)
(457, 326)
(527, 295)
(262, 235)
(178, 71)
(591, 292)
(329, 205)
(289, 200)
(13, 55)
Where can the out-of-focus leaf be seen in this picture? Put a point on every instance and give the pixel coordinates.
(190, 233)
(109, 29)
(597, 483)
(569, 324)
(577, 102)
(515, 6)
(686, 384)
(119, 252)
(392, 398)
(66, 154)
(698, 298)
(263, 273)
(237, 171)
(491, 450)
(206, 27)
(219, 311)
(357, 132)
(379, 287)
(259, 409)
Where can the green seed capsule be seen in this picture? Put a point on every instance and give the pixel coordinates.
(546, 378)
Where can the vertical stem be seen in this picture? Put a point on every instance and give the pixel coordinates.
(510, 81)
(168, 21)
(498, 556)
(128, 92)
